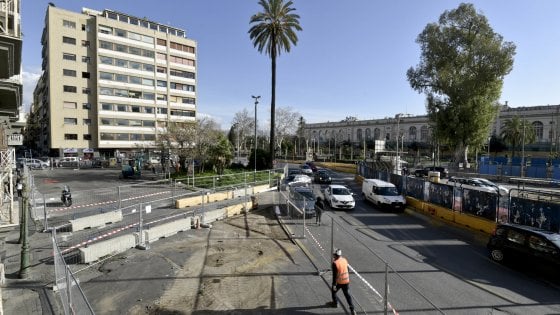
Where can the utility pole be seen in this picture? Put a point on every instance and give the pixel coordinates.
(256, 98)
(24, 262)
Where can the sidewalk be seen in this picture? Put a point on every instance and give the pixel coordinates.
(242, 264)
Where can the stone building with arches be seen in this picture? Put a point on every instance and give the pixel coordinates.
(410, 128)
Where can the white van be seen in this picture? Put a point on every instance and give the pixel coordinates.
(383, 194)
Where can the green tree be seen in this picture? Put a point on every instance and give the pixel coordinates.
(274, 31)
(221, 153)
(462, 66)
(516, 132)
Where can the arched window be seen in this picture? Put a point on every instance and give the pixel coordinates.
(424, 133)
(412, 133)
(376, 134)
(538, 127)
(368, 134)
(359, 135)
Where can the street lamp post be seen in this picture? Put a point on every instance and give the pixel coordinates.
(256, 98)
(397, 159)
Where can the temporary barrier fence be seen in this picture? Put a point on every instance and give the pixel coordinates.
(72, 297)
(376, 286)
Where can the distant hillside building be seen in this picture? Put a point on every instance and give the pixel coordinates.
(111, 83)
(544, 119)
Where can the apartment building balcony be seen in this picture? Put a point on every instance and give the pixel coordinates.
(11, 93)
(10, 39)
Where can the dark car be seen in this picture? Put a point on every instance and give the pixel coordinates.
(322, 177)
(516, 242)
(443, 172)
(312, 166)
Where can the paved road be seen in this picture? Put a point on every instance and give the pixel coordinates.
(432, 267)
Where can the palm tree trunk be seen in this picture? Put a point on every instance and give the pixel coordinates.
(272, 146)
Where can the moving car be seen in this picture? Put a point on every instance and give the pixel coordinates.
(443, 172)
(304, 199)
(339, 197)
(300, 178)
(512, 241)
(312, 166)
(383, 194)
(473, 183)
(292, 172)
(306, 169)
(322, 177)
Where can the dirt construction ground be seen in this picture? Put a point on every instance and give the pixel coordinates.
(243, 265)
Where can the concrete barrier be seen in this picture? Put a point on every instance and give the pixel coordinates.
(167, 229)
(97, 220)
(115, 245)
(188, 202)
(219, 196)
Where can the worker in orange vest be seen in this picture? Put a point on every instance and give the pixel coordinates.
(341, 280)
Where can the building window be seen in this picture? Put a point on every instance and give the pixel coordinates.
(68, 40)
(161, 42)
(70, 57)
(70, 105)
(87, 137)
(85, 28)
(86, 91)
(161, 69)
(424, 133)
(85, 75)
(70, 121)
(105, 29)
(105, 45)
(182, 47)
(70, 136)
(538, 127)
(69, 24)
(161, 83)
(412, 133)
(86, 59)
(120, 33)
(70, 89)
(106, 60)
(105, 106)
(87, 121)
(86, 106)
(68, 72)
(85, 43)
(161, 56)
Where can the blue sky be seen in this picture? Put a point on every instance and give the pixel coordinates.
(351, 58)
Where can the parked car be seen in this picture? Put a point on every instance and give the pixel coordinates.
(339, 197)
(501, 189)
(322, 177)
(470, 183)
(423, 172)
(383, 194)
(32, 163)
(304, 199)
(514, 242)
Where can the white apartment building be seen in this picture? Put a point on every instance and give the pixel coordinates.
(111, 83)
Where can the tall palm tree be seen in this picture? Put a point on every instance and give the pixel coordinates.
(274, 31)
(517, 131)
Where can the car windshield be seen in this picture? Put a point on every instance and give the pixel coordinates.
(485, 182)
(388, 191)
(340, 191)
(306, 194)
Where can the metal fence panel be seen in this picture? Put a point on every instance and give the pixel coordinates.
(415, 188)
(441, 195)
(479, 203)
(537, 213)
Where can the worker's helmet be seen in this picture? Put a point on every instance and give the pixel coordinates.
(337, 252)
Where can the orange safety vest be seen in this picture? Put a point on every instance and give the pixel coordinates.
(342, 268)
